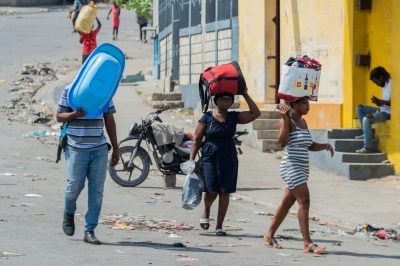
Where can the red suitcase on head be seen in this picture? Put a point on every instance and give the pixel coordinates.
(225, 78)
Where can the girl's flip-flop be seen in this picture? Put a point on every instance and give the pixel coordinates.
(315, 249)
(273, 243)
(205, 223)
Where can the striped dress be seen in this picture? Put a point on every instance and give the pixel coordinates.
(294, 168)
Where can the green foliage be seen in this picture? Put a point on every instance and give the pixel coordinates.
(143, 8)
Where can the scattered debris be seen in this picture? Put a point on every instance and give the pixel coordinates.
(372, 231)
(11, 254)
(232, 228)
(8, 174)
(313, 218)
(186, 259)
(33, 195)
(243, 220)
(129, 222)
(22, 205)
(264, 213)
(41, 133)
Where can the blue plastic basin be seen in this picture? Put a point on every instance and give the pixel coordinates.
(97, 80)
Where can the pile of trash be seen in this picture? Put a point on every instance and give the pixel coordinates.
(25, 89)
(372, 231)
(130, 222)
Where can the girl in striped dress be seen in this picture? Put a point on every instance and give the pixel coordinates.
(294, 169)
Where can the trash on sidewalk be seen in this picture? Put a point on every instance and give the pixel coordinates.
(10, 254)
(22, 205)
(33, 195)
(228, 227)
(372, 231)
(243, 220)
(130, 222)
(186, 259)
(152, 201)
(322, 229)
(264, 213)
(8, 174)
(41, 133)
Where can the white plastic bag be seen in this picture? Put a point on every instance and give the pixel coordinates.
(299, 82)
(192, 192)
(188, 167)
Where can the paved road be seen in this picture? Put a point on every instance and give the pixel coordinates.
(30, 227)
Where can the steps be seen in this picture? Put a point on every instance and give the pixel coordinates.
(169, 100)
(263, 132)
(346, 162)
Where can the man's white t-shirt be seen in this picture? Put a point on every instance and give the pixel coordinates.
(386, 91)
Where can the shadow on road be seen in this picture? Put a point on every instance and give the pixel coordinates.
(365, 255)
(257, 188)
(164, 246)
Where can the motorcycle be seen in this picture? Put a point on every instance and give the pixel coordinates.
(134, 164)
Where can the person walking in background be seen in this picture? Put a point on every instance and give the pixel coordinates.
(369, 115)
(115, 10)
(142, 21)
(86, 156)
(88, 41)
(76, 8)
(294, 169)
(219, 155)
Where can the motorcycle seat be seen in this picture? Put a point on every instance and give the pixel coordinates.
(182, 149)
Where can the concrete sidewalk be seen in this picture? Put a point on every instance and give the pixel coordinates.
(334, 199)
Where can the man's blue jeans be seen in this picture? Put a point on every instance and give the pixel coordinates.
(92, 165)
(366, 123)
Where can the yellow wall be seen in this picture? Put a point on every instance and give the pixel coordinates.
(315, 28)
(375, 32)
(252, 48)
(392, 146)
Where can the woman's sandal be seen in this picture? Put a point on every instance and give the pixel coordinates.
(205, 223)
(220, 232)
(315, 249)
(273, 243)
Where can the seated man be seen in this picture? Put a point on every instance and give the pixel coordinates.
(369, 115)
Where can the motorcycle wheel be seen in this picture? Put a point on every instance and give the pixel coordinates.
(134, 176)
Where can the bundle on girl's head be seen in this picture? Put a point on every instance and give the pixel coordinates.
(219, 95)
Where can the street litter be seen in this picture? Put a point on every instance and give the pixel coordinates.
(232, 228)
(322, 229)
(41, 133)
(186, 259)
(129, 222)
(243, 220)
(33, 195)
(38, 179)
(313, 218)
(11, 254)
(264, 213)
(22, 205)
(8, 174)
(372, 231)
(152, 201)
(30, 175)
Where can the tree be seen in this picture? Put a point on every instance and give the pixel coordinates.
(143, 8)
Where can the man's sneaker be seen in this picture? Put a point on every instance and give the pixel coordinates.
(360, 137)
(364, 150)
